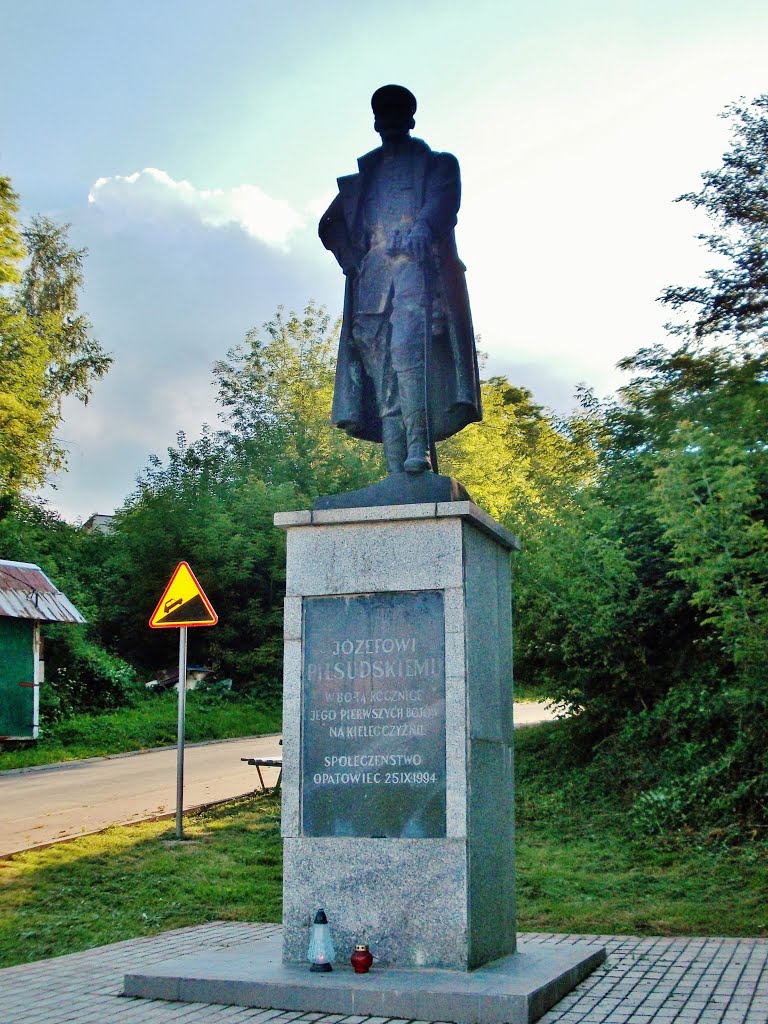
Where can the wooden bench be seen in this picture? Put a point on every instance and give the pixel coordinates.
(266, 762)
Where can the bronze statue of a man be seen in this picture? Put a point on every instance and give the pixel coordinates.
(407, 368)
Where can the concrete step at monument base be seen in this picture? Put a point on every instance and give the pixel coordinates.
(516, 989)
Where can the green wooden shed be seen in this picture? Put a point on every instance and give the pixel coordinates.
(27, 598)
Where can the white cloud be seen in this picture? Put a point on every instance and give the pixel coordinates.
(154, 195)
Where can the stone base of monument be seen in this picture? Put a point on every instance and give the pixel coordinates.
(516, 989)
(398, 788)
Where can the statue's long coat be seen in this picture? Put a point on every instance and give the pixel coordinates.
(454, 377)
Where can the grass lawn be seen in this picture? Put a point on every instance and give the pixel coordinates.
(151, 723)
(137, 880)
(528, 694)
(578, 871)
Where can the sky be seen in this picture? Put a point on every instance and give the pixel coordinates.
(192, 147)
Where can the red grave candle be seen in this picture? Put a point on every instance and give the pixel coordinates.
(361, 959)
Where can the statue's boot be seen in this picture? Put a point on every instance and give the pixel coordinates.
(411, 387)
(418, 460)
(395, 446)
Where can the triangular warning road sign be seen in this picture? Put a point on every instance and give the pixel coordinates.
(184, 603)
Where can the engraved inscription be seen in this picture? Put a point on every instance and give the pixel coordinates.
(373, 729)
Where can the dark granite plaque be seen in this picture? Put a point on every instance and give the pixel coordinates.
(373, 716)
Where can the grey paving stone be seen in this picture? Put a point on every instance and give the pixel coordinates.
(643, 981)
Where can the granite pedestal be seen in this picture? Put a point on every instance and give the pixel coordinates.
(398, 623)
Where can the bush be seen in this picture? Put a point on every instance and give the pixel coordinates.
(80, 676)
(700, 759)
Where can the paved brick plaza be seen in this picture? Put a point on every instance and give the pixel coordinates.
(711, 981)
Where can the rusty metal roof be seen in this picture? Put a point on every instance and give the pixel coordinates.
(27, 593)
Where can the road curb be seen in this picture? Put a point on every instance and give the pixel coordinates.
(64, 765)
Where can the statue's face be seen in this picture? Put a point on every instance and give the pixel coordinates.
(393, 124)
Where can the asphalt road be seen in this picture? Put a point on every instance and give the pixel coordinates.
(60, 801)
(54, 802)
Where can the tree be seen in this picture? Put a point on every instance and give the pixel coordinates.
(734, 302)
(276, 391)
(519, 462)
(711, 501)
(695, 420)
(673, 680)
(27, 422)
(202, 506)
(11, 247)
(49, 295)
(46, 350)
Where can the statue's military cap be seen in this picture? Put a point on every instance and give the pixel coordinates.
(393, 99)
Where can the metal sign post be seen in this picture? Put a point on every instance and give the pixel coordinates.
(183, 604)
(182, 707)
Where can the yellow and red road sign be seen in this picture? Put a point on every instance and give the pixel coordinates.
(184, 603)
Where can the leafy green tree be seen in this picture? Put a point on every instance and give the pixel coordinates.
(276, 391)
(691, 431)
(46, 350)
(575, 593)
(642, 601)
(11, 247)
(682, 483)
(50, 286)
(27, 422)
(519, 462)
(200, 506)
(710, 501)
(734, 300)
(573, 582)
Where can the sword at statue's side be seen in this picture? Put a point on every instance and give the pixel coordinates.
(429, 278)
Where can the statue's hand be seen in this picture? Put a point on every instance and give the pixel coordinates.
(419, 241)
